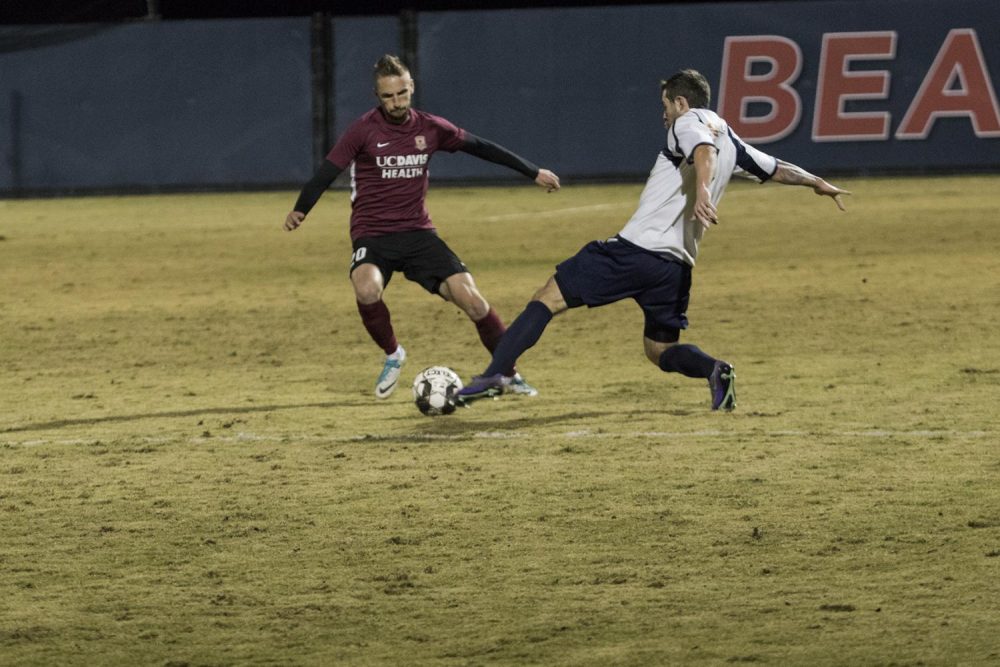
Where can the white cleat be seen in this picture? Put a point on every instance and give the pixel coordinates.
(388, 379)
(519, 386)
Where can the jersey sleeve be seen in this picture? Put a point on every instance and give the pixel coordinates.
(752, 163)
(348, 147)
(689, 133)
(450, 137)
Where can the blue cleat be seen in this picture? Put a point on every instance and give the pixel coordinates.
(518, 385)
(722, 383)
(388, 379)
(489, 386)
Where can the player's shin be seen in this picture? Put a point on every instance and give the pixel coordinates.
(687, 360)
(378, 323)
(523, 333)
(490, 329)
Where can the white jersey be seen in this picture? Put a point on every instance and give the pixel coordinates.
(665, 222)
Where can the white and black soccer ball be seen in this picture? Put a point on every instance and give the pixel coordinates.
(435, 390)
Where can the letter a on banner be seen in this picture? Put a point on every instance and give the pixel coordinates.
(957, 84)
(740, 86)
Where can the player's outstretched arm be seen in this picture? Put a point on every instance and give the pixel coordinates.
(311, 193)
(791, 174)
(491, 152)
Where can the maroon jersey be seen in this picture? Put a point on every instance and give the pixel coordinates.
(389, 169)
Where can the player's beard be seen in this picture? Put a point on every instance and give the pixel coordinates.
(398, 116)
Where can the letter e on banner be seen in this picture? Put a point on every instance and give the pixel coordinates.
(740, 86)
(957, 84)
(837, 84)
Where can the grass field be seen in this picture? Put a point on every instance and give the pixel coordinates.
(194, 471)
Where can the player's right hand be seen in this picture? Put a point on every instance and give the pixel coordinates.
(704, 210)
(293, 220)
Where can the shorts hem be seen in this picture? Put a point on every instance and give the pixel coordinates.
(572, 301)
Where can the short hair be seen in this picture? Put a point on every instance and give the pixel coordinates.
(389, 65)
(690, 84)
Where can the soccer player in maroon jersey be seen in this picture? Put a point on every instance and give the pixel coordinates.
(388, 150)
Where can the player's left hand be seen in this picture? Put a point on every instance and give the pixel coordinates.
(829, 190)
(547, 180)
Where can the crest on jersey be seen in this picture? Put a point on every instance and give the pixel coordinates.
(421, 142)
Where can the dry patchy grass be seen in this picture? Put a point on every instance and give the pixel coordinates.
(193, 470)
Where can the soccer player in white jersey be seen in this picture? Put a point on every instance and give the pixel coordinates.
(651, 258)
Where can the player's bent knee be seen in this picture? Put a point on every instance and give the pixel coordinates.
(367, 282)
(551, 297)
(655, 349)
(367, 291)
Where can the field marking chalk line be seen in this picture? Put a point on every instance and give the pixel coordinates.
(554, 212)
(311, 438)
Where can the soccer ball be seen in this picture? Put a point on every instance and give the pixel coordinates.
(435, 390)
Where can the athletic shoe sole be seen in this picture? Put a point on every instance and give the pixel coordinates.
(722, 382)
(480, 387)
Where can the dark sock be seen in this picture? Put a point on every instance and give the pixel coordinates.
(377, 321)
(521, 335)
(688, 360)
(490, 330)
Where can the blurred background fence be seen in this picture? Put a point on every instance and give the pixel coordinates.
(838, 86)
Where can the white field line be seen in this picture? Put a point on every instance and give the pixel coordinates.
(555, 212)
(512, 435)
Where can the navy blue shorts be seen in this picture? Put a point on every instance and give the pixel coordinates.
(421, 255)
(604, 272)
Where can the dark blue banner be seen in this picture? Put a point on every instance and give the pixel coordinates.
(845, 85)
(857, 86)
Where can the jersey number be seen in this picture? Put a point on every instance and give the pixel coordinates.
(359, 255)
